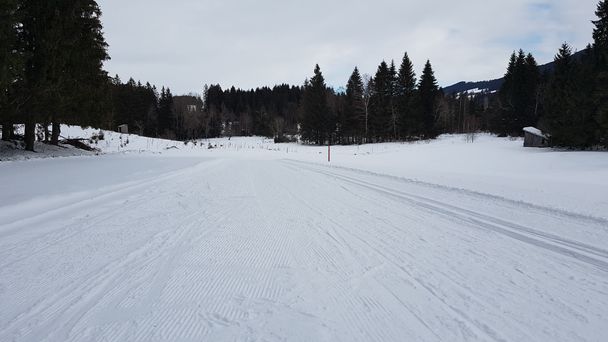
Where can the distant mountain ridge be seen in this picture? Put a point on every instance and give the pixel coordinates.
(494, 85)
(461, 87)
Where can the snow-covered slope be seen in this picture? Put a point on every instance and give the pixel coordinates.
(253, 241)
(112, 142)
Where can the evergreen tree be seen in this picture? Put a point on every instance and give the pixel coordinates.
(394, 128)
(533, 79)
(150, 106)
(316, 120)
(11, 64)
(568, 116)
(519, 94)
(213, 99)
(427, 96)
(39, 83)
(166, 117)
(600, 32)
(380, 120)
(559, 95)
(63, 73)
(405, 88)
(600, 91)
(354, 112)
(83, 82)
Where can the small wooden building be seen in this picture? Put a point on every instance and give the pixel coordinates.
(534, 137)
(123, 129)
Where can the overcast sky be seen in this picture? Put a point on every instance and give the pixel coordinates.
(248, 43)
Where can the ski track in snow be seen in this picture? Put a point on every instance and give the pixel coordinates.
(279, 250)
(529, 235)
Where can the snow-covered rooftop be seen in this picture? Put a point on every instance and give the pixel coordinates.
(535, 131)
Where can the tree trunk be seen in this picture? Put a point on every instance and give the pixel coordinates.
(30, 136)
(7, 130)
(55, 133)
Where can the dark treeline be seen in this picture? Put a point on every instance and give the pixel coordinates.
(390, 106)
(393, 105)
(52, 54)
(570, 103)
(265, 111)
(145, 110)
(271, 112)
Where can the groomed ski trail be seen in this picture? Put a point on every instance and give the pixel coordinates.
(251, 250)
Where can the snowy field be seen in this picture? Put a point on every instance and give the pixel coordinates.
(155, 240)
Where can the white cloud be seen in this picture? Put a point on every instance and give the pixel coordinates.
(186, 43)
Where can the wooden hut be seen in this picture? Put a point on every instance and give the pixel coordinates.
(534, 137)
(123, 129)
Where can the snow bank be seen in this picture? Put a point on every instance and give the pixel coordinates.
(15, 151)
(112, 142)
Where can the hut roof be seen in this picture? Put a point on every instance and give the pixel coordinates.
(535, 131)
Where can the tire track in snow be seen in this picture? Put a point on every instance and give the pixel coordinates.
(168, 305)
(65, 309)
(357, 319)
(51, 310)
(114, 194)
(58, 314)
(479, 327)
(481, 195)
(553, 243)
(234, 265)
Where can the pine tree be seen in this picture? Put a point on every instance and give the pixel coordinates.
(405, 88)
(600, 91)
(166, 117)
(600, 32)
(63, 74)
(37, 22)
(84, 83)
(380, 120)
(213, 101)
(354, 111)
(316, 121)
(533, 79)
(559, 96)
(150, 120)
(500, 121)
(394, 128)
(568, 116)
(11, 64)
(427, 94)
(519, 94)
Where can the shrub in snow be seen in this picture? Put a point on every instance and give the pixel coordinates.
(98, 136)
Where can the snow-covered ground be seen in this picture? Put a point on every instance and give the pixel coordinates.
(155, 240)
